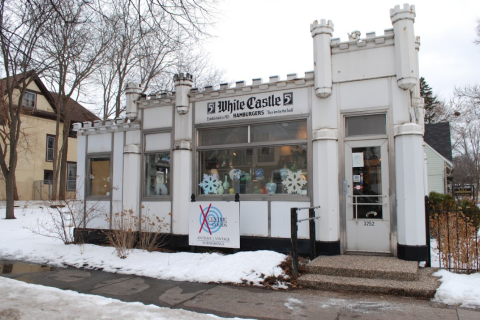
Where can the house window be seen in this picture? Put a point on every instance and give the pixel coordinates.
(270, 158)
(99, 176)
(71, 176)
(50, 148)
(47, 176)
(157, 174)
(29, 100)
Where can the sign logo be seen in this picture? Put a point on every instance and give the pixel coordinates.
(211, 108)
(287, 98)
(211, 220)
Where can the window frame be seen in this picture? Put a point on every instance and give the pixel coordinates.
(143, 181)
(365, 136)
(144, 176)
(47, 148)
(88, 188)
(44, 174)
(255, 197)
(69, 163)
(27, 93)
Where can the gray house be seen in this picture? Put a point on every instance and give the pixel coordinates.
(438, 148)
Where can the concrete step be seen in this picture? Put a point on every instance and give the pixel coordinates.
(424, 287)
(359, 266)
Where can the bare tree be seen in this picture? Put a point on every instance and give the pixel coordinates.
(148, 37)
(466, 131)
(73, 44)
(21, 23)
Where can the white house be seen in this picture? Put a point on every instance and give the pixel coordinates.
(347, 136)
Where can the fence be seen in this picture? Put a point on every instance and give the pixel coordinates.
(454, 233)
(42, 189)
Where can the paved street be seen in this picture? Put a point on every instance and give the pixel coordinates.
(246, 302)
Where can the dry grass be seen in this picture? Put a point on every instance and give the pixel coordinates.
(128, 231)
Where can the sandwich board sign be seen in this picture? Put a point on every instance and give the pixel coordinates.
(214, 224)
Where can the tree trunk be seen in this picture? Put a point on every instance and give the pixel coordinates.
(16, 190)
(9, 187)
(63, 170)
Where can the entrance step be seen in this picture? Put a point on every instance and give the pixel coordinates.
(373, 267)
(423, 288)
(370, 274)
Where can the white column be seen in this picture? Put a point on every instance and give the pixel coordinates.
(409, 163)
(182, 170)
(325, 184)
(181, 186)
(131, 177)
(81, 163)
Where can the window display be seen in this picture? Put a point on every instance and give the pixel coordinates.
(278, 168)
(157, 174)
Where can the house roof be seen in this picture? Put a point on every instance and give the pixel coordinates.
(437, 136)
(78, 113)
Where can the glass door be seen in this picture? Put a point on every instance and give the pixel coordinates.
(367, 210)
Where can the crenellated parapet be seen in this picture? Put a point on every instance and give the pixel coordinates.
(371, 41)
(229, 89)
(407, 12)
(109, 125)
(322, 56)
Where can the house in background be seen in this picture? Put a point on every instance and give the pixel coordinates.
(35, 153)
(438, 148)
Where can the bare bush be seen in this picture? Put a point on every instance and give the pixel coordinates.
(66, 216)
(129, 231)
(456, 236)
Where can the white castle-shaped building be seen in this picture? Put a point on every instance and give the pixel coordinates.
(346, 137)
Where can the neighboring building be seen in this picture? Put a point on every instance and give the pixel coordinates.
(347, 137)
(35, 152)
(438, 148)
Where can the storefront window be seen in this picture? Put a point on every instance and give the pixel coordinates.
(279, 131)
(261, 169)
(157, 174)
(99, 176)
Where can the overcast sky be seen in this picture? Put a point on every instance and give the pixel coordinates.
(262, 38)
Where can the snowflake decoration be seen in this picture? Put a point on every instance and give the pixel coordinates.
(210, 184)
(294, 182)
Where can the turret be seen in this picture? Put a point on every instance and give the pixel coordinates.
(183, 84)
(405, 60)
(322, 57)
(132, 91)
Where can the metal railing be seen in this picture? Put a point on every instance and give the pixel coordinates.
(454, 229)
(42, 189)
(294, 235)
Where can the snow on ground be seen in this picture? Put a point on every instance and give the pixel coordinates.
(17, 242)
(52, 303)
(458, 289)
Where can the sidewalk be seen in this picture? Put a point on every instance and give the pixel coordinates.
(246, 302)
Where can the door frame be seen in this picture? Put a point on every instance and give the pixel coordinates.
(391, 167)
(355, 229)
